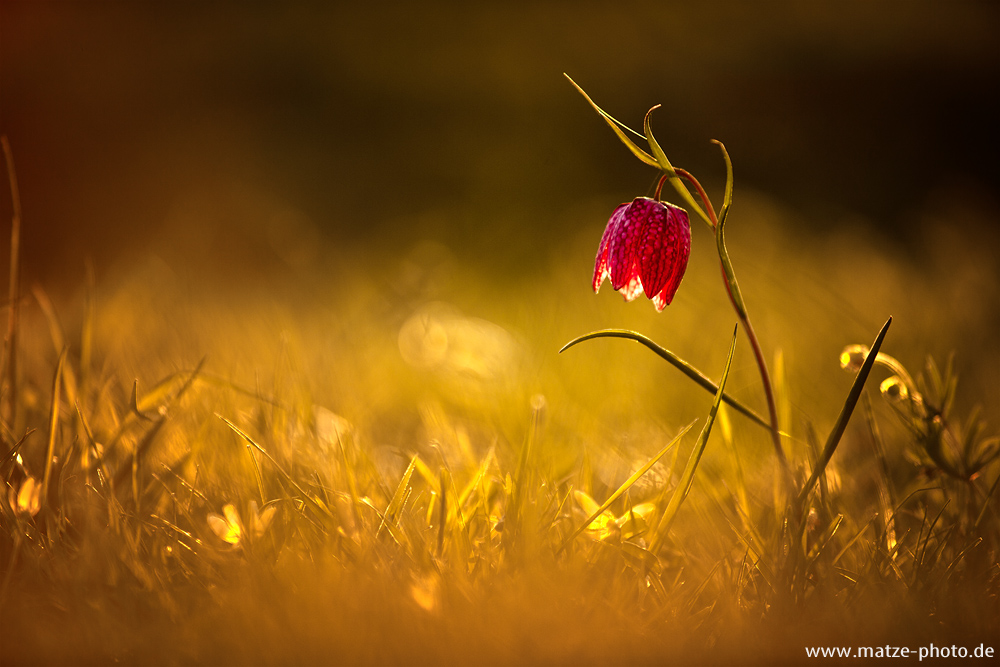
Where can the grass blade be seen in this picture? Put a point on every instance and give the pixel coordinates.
(687, 478)
(398, 498)
(143, 446)
(9, 456)
(845, 414)
(625, 486)
(8, 407)
(58, 340)
(291, 481)
(53, 427)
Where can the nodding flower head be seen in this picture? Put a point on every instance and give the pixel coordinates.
(645, 248)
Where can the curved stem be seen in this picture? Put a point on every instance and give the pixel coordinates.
(659, 186)
(765, 379)
(748, 328)
(687, 176)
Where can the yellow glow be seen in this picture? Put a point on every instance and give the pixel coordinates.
(853, 357)
(227, 528)
(28, 499)
(424, 592)
(893, 388)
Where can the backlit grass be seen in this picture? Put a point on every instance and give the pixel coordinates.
(383, 458)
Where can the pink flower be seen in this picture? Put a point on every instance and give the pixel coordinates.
(645, 248)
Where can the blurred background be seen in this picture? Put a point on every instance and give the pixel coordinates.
(431, 163)
(392, 124)
(377, 222)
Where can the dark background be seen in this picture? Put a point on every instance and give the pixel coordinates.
(225, 125)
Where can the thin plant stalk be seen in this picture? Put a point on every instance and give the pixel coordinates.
(732, 289)
(683, 487)
(8, 407)
(676, 177)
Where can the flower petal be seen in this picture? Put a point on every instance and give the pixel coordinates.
(228, 528)
(625, 243)
(29, 497)
(665, 251)
(659, 303)
(601, 265)
(633, 289)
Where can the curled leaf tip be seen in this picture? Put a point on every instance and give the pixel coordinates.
(661, 158)
(617, 127)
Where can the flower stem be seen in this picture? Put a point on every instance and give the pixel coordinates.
(687, 176)
(747, 327)
(659, 186)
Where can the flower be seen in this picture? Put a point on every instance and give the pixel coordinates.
(27, 501)
(230, 529)
(645, 248)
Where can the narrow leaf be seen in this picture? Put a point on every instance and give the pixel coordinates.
(845, 413)
(53, 428)
(699, 378)
(824, 539)
(399, 497)
(133, 403)
(727, 198)
(658, 153)
(291, 481)
(664, 164)
(720, 239)
(12, 454)
(617, 127)
(687, 478)
(628, 483)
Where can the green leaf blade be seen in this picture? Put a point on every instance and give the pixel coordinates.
(617, 126)
(690, 371)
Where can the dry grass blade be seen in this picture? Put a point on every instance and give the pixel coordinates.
(58, 340)
(524, 474)
(306, 497)
(850, 543)
(391, 514)
(53, 428)
(8, 407)
(9, 456)
(986, 502)
(133, 403)
(87, 331)
(824, 539)
(145, 444)
(687, 478)
(91, 451)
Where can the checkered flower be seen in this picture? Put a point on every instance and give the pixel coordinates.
(645, 249)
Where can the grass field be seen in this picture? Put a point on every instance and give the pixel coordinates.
(346, 456)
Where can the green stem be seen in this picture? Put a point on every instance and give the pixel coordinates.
(740, 308)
